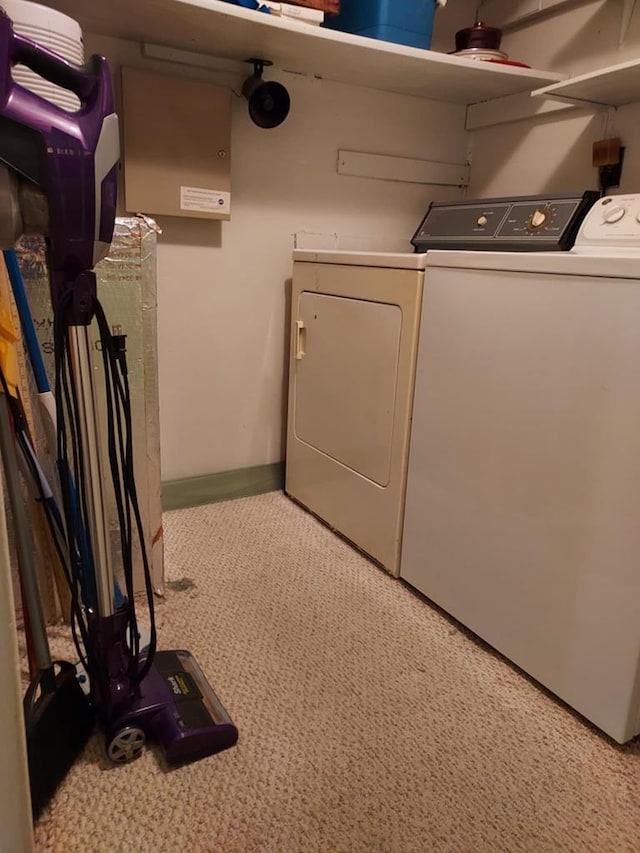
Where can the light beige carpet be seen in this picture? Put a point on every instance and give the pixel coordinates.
(368, 721)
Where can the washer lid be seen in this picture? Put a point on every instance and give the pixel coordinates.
(614, 263)
(391, 260)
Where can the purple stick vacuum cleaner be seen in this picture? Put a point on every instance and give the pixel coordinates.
(58, 177)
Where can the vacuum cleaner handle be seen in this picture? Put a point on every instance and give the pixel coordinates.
(81, 81)
(91, 83)
(72, 157)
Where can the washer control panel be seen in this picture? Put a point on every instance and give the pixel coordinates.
(612, 221)
(530, 223)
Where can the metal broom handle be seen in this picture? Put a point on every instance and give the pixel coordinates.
(24, 538)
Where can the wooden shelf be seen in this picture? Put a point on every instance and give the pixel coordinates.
(221, 29)
(613, 86)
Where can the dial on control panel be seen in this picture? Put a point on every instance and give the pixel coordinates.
(538, 218)
(613, 213)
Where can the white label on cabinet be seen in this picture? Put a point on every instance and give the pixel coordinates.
(204, 201)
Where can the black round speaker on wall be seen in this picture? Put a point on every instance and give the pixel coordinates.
(269, 102)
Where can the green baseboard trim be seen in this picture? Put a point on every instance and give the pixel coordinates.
(225, 486)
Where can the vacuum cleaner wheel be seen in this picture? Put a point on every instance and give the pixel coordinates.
(126, 744)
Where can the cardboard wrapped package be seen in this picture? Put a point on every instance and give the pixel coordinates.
(127, 291)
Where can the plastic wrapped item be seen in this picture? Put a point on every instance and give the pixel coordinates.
(127, 291)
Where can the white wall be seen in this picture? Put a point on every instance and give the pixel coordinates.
(222, 286)
(554, 154)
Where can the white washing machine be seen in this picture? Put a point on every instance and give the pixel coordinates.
(523, 496)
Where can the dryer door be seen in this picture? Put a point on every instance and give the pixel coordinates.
(353, 346)
(346, 380)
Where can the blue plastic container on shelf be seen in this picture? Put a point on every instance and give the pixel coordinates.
(407, 22)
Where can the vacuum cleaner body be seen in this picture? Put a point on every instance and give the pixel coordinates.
(59, 177)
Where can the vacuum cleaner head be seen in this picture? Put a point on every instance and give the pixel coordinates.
(178, 708)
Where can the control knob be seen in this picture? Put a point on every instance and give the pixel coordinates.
(538, 218)
(613, 214)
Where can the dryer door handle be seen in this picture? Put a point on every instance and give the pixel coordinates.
(300, 339)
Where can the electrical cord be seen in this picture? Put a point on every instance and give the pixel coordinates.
(71, 510)
(122, 465)
(120, 453)
(71, 465)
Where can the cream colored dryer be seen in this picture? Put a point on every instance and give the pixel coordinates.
(354, 334)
